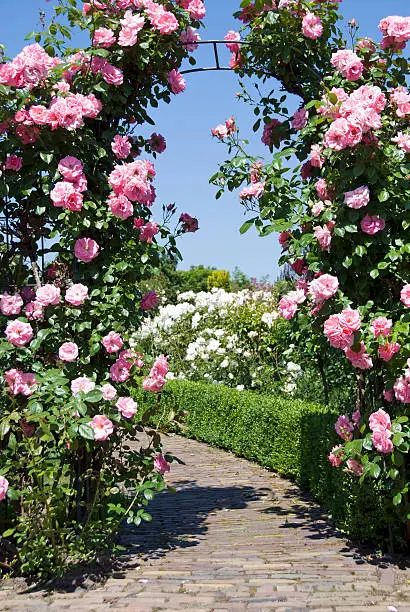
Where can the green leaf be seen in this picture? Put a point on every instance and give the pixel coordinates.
(93, 396)
(383, 195)
(86, 432)
(8, 532)
(374, 470)
(41, 336)
(374, 273)
(146, 517)
(149, 494)
(47, 157)
(244, 228)
(397, 499)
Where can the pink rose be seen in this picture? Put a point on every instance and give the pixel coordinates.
(233, 39)
(109, 392)
(121, 207)
(287, 308)
(381, 326)
(160, 367)
(121, 146)
(176, 82)
(4, 485)
(120, 370)
(86, 249)
(34, 311)
(381, 440)
(323, 236)
(336, 455)
(64, 195)
(13, 163)
(112, 75)
(323, 288)
(388, 350)
(19, 333)
(255, 190)
(153, 384)
(379, 420)
(354, 467)
(112, 342)
(312, 26)
(372, 224)
(103, 37)
(68, 352)
(189, 224)
(48, 295)
(102, 426)
(388, 395)
(358, 197)
(20, 382)
(402, 390)
(405, 295)
(317, 209)
(71, 168)
(76, 294)
(344, 427)
(161, 465)
(150, 300)
(359, 359)
(11, 304)
(127, 407)
(161, 19)
(83, 384)
(190, 38)
(403, 141)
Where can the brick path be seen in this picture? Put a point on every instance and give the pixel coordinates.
(235, 537)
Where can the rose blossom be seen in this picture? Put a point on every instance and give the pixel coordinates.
(379, 420)
(64, 195)
(161, 465)
(160, 367)
(336, 455)
(312, 26)
(190, 38)
(48, 295)
(176, 81)
(86, 249)
(11, 304)
(121, 146)
(157, 143)
(354, 467)
(388, 395)
(323, 288)
(82, 384)
(121, 207)
(344, 427)
(127, 407)
(20, 382)
(317, 209)
(381, 440)
(104, 37)
(402, 390)
(4, 485)
(403, 141)
(34, 311)
(150, 300)
(76, 294)
(372, 224)
(71, 168)
(112, 342)
(153, 384)
(381, 326)
(323, 236)
(13, 163)
(102, 426)
(405, 295)
(19, 333)
(388, 350)
(358, 197)
(68, 351)
(120, 370)
(359, 359)
(109, 392)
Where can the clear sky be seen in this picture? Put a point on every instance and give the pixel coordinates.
(192, 155)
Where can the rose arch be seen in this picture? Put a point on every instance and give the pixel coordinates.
(77, 188)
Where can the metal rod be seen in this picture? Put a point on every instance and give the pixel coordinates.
(205, 69)
(216, 55)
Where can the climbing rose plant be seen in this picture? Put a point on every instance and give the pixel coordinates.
(76, 192)
(342, 209)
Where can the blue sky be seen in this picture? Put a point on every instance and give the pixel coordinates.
(192, 155)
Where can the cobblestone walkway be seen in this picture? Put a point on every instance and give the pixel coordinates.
(235, 537)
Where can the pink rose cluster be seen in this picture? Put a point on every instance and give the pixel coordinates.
(147, 230)
(348, 64)
(336, 455)
(28, 69)
(161, 19)
(156, 378)
(403, 140)
(131, 25)
(359, 359)
(20, 382)
(195, 8)
(380, 424)
(68, 112)
(340, 328)
(288, 304)
(67, 194)
(120, 370)
(222, 131)
(255, 190)
(396, 32)
(323, 288)
(133, 181)
(110, 74)
(354, 115)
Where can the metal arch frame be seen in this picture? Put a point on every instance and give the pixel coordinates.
(214, 44)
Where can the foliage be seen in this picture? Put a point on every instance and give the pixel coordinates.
(74, 196)
(289, 436)
(219, 279)
(336, 186)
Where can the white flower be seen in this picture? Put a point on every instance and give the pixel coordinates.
(240, 387)
(225, 363)
(252, 334)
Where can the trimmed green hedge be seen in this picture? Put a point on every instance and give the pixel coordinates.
(291, 437)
